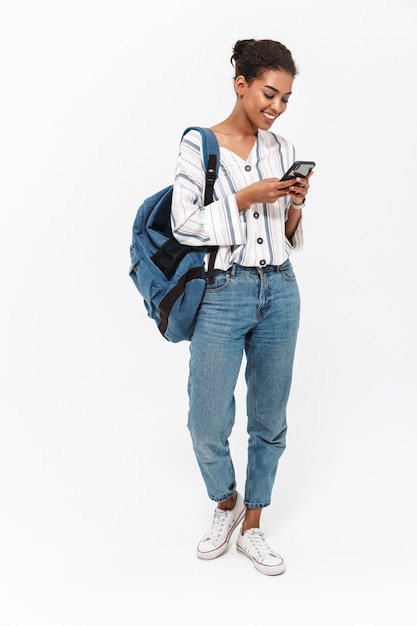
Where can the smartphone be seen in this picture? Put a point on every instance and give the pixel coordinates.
(298, 168)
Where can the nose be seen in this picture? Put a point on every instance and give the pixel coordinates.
(279, 105)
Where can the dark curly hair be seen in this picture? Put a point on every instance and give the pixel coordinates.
(252, 57)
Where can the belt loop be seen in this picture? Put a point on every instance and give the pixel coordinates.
(233, 270)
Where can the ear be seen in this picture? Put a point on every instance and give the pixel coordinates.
(240, 85)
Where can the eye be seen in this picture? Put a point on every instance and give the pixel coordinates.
(269, 96)
(285, 100)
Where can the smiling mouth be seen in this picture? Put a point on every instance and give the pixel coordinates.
(269, 116)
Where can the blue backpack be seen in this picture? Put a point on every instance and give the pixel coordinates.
(169, 275)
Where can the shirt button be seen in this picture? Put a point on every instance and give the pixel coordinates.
(260, 240)
(263, 262)
(248, 168)
(256, 215)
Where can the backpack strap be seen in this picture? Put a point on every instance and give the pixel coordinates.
(211, 157)
(210, 147)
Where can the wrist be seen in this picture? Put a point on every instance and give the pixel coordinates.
(297, 206)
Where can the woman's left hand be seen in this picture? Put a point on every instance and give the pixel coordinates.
(299, 189)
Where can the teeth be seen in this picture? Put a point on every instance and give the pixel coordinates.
(271, 117)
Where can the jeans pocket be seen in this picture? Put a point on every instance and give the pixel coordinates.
(218, 281)
(287, 271)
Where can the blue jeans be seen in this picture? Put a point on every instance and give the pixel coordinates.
(256, 311)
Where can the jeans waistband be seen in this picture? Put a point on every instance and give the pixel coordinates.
(242, 269)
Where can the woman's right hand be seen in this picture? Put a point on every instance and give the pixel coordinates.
(263, 191)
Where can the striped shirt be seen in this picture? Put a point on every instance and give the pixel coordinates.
(254, 237)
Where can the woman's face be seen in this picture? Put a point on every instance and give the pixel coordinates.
(266, 98)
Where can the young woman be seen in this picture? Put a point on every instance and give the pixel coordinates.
(251, 304)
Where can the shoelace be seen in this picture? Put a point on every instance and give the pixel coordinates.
(257, 539)
(217, 524)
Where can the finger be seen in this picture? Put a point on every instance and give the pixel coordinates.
(301, 184)
(299, 189)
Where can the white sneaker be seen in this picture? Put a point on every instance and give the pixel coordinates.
(254, 545)
(216, 540)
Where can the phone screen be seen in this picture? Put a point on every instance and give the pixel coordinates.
(299, 168)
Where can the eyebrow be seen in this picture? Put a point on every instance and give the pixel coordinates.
(276, 90)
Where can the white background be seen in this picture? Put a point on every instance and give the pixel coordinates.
(101, 501)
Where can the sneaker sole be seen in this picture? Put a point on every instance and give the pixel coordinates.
(269, 570)
(216, 552)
